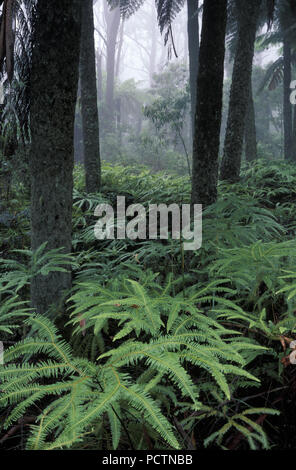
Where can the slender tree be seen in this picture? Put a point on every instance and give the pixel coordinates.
(89, 107)
(193, 46)
(286, 23)
(55, 63)
(113, 23)
(248, 15)
(209, 103)
(281, 69)
(287, 108)
(250, 129)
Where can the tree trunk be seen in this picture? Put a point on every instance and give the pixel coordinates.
(153, 47)
(113, 22)
(209, 103)
(240, 89)
(293, 145)
(119, 51)
(54, 80)
(89, 107)
(100, 76)
(193, 47)
(78, 136)
(250, 129)
(287, 103)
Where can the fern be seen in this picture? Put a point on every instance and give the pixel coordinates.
(176, 337)
(81, 391)
(42, 261)
(180, 332)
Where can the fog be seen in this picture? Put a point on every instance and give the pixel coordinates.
(143, 51)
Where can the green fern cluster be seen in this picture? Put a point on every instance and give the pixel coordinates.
(251, 265)
(164, 344)
(174, 332)
(16, 274)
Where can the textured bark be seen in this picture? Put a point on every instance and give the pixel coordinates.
(209, 103)
(240, 89)
(89, 107)
(250, 129)
(54, 79)
(287, 104)
(193, 46)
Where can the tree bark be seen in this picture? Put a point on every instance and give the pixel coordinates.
(193, 47)
(287, 104)
(54, 80)
(209, 103)
(89, 107)
(250, 129)
(240, 89)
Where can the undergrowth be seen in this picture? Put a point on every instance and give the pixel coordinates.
(169, 349)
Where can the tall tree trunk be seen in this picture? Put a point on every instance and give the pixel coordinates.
(250, 129)
(78, 135)
(100, 76)
(89, 107)
(287, 104)
(240, 89)
(119, 51)
(209, 103)
(293, 145)
(193, 47)
(113, 22)
(54, 80)
(153, 47)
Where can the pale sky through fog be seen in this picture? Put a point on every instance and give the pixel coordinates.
(267, 56)
(138, 30)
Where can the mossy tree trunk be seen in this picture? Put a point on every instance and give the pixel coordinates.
(209, 103)
(240, 89)
(54, 79)
(89, 106)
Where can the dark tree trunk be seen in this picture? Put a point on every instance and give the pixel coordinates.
(193, 46)
(240, 89)
(287, 104)
(250, 129)
(54, 80)
(209, 103)
(89, 107)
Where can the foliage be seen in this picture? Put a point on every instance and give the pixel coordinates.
(174, 333)
(164, 344)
